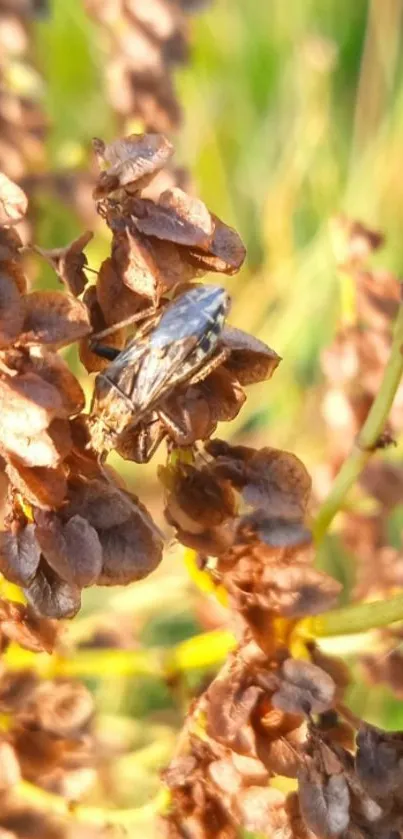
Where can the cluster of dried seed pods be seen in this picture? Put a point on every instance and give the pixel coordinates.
(47, 735)
(146, 43)
(22, 123)
(179, 370)
(169, 366)
(275, 710)
(353, 367)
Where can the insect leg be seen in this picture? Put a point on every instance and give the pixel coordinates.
(134, 318)
(181, 434)
(210, 365)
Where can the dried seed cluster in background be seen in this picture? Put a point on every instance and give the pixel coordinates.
(353, 366)
(146, 42)
(22, 124)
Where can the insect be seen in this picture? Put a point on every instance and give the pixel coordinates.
(177, 346)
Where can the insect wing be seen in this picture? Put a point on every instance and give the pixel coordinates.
(157, 370)
(193, 315)
(185, 337)
(123, 371)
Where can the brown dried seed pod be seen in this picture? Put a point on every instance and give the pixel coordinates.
(72, 548)
(19, 553)
(225, 253)
(132, 161)
(50, 596)
(177, 217)
(45, 488)
(61, 708)
(13, 201)
(11, 309)
(131, 551)
(69, 263)
(304, 688)
(53, 317)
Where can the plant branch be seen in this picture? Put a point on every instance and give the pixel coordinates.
(369, 436)
(359, 617)
(201, 651)
(59, 806)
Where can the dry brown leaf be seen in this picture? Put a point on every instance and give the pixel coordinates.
(274, 532)
(251, 360)
(117, 302)
(62, 708)
(177, 217)
(200, 497)
(324, 801)
(54, 317)
(134, 263)
(46, 448)
(303, 689)
(189, 408)
(224, 254)
(131, 551)
(224, 394)
(353, 242)
(13, 201)
(11, 310)
(54, 370)
(298, 591)
(69, 263)
(45, 488)
(139, 442)
(27, 403)
(132, 161)
(261, 810)
(72, 548)
(19, 553)
(379, 762)
(19, 624)
(268, 478)
(51, 597)
(103, 504)
(10, 245)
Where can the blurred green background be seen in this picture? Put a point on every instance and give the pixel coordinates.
(293, 113)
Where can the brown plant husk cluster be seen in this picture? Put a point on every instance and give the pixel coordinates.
(146, 43)
(22, 124)
(48, 741)
(353, 367)
(159, 246)
(68, 524)
(275, 711)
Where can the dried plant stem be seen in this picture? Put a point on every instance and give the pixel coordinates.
(369, 436)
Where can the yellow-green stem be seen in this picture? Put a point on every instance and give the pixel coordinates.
(201, 651)
(57, 805)
(368, 437)
(359, 617)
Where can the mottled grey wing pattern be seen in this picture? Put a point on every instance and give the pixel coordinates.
(123, 371)
(185, 336)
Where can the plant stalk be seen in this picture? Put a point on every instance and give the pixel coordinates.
(368, 439)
